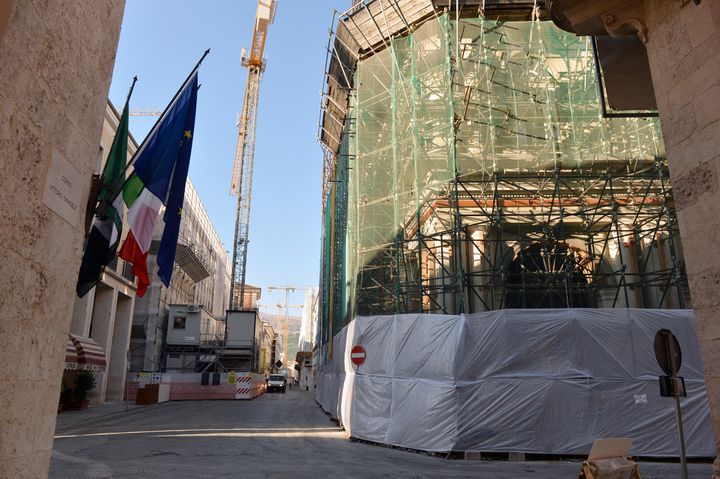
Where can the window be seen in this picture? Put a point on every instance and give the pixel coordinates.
(179, 322)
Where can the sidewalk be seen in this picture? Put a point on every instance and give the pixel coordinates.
(69, 420)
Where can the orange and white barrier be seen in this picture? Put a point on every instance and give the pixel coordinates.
(243, 386)
(249, 385)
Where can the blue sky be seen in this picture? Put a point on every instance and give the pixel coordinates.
(161, 40)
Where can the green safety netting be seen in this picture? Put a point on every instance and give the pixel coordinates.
(477, 173)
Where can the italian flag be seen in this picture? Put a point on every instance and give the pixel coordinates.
(143, 208)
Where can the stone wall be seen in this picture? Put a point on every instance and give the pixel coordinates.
(56, 61)
(684, 52)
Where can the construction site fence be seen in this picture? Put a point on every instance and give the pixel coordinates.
(190, 387)
(529, 381)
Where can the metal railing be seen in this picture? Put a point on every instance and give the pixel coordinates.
(215, 341)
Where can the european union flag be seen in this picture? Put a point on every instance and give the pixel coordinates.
(161, 169)
(176, 193)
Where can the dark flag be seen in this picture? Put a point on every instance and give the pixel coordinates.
(106, 228)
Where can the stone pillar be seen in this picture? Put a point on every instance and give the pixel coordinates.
(683, 44)
(6, 8)
(82, 314)
(101, 330)
(52, 102)
(117, 357)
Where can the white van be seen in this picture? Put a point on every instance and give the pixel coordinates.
(276, 382)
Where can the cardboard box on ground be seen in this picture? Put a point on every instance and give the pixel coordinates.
(608, 459)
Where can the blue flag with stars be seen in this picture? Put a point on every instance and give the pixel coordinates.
(183, 137)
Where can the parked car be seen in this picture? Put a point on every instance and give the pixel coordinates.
(276, 382)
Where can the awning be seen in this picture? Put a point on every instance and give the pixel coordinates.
(70, 353)
(87, 354)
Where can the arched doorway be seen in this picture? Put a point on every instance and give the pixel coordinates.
(549, 275)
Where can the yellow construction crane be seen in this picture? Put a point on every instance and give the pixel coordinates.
(285, 325)
(241, 183)
(145, 112)
(288, 290)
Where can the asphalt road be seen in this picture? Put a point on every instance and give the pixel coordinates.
(275, 435)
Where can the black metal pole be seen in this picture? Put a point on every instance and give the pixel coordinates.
(132, 87)
(681, 434)
(677, 390)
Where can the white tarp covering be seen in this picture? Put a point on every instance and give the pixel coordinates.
(535, 381)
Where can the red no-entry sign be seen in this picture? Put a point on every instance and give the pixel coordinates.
(357, 355)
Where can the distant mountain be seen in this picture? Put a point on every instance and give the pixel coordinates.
(294, 322)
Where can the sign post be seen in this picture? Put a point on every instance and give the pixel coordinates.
(669, 358)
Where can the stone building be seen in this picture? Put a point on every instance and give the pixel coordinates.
(105, 313)
(251, 295)
(475, 172)
(308, 322)
(201, 276)
(266, 347)
(52, 103)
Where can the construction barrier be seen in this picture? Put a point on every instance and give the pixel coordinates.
(189, 387)
(543, 381)
(249, 385)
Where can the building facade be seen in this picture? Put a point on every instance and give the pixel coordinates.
(266, 349)
(105, 313)
(470, 165)
(201, 276)
(251, 295)
(308, 321)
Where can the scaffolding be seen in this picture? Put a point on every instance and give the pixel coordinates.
(474, 171)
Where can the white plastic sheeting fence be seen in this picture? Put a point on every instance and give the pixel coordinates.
(534, 381)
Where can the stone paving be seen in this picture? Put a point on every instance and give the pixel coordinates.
(275, 435)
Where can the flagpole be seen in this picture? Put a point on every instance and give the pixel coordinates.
(152, 130)
(132, 87)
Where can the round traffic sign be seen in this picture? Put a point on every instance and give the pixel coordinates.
(357, 355)
(667, 352)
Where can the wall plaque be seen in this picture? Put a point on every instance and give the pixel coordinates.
(63, 189)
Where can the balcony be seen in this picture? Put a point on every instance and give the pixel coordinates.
(194, 265)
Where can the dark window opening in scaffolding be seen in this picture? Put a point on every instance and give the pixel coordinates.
(550, 275)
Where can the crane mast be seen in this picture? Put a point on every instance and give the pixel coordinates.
(241, 183)
(285, 327)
